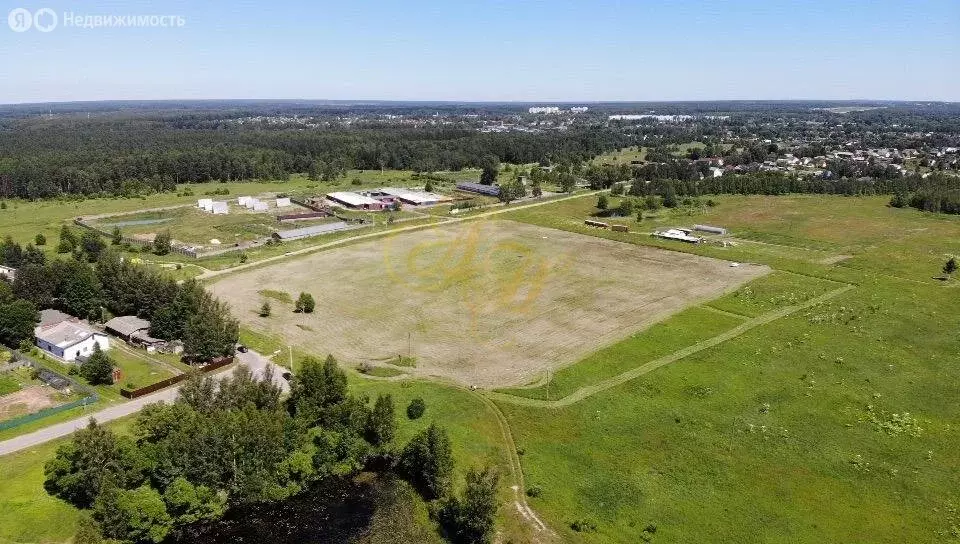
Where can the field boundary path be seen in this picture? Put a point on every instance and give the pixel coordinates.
(590, 390)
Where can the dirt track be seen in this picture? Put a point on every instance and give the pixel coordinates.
(489, 303)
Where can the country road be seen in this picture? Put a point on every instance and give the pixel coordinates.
(254, 361)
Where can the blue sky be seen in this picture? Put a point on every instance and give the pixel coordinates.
(491, 50)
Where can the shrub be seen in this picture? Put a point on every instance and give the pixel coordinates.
(416, 408)
(534, 491)
(584, 526)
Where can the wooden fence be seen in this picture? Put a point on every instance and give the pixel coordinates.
(215, 364)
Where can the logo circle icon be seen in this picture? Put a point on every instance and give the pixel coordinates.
(20, 19)
(45, 19)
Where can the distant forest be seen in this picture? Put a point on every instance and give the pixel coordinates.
(127, 153)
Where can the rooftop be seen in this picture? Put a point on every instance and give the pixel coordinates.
(304, 232)
(126, 325)
(65, 333)
(352, 199)
(418, 197)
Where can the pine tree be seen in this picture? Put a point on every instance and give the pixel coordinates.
(98, 368)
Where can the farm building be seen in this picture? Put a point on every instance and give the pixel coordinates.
(355, 200)
(220, 208)
(409, 196)
(70, 339)
(682, 235)
(710, 229)
(50, 317)
(243, 200)
(307, 232)
(205, 204)
(479, 188)
(8, 272)
(283, 202)
(126, 326)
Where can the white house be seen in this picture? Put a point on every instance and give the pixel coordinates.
(70, 339)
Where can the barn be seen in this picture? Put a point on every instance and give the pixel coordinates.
(307, 232)
(478, 188)
(355, 200)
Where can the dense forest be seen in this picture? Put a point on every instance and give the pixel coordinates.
(127, 154)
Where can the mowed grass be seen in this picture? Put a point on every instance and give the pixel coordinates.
(690, 326)
(136, 368)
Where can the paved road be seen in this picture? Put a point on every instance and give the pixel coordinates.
(252, 359)
(258, 365)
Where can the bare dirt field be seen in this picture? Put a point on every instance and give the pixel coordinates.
(488, 303)
(27, 401)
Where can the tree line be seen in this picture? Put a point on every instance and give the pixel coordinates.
(236, 443)
(134, 154)
(114, 286)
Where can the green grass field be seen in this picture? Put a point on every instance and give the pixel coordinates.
(831, 424)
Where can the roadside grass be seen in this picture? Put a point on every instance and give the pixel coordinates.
(793, 432)
(690, 326)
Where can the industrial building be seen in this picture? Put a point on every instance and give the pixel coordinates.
(307, 232)
(479, 188)
(355, 200)
(409, 196)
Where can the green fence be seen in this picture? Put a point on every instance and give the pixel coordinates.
(90, 397)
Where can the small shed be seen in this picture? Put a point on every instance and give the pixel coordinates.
(127, 326)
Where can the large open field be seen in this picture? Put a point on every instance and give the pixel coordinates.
(489, 303)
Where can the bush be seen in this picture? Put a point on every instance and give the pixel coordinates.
(416, 408)
(584, 526)
(40, 240)
(265, 309)
(534, 491)
(305, 304)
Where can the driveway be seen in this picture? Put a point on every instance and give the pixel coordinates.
(252, 359)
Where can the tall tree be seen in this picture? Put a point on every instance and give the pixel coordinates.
(381, 424)
(17, 321)
(427, 461)
(98, 368)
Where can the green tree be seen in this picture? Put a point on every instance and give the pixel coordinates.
(670, 197)
(427, 461)
(305, 303)
(79, 468)
(626, 207)
(428, 186)
(470, 519)
(489, 169)
(117, 237)
(88, 532)
(317, 389)
(40, 240)
(33, 255)
(567, 182)
(80, 291)
(68, 240)
(416, 408)
(950, 266)
(187, 503)
(381, 423)
(162, 242)
(92, 245)
(536, 190)
(134, 515)
(265, 309)
(651, 202)
(602, 202)
(17, 321)
(98, 368)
